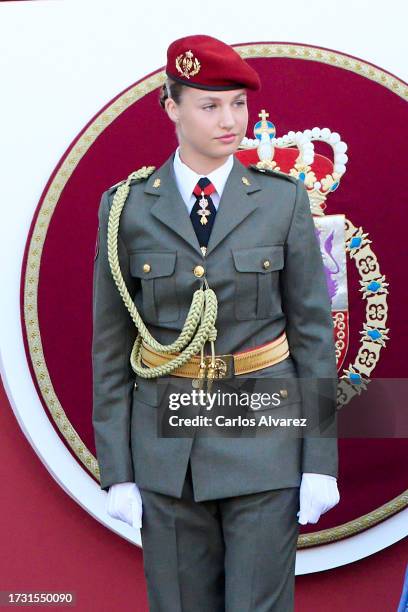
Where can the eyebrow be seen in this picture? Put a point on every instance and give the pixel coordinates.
(215, 98)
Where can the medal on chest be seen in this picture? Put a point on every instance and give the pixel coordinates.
(203, 212)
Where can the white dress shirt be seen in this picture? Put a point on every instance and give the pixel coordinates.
(187, 179)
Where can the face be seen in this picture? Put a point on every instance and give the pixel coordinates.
(210, 124)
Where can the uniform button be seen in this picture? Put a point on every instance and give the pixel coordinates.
(266, 264)
(146, 267)
(283, 393)
(199, 271)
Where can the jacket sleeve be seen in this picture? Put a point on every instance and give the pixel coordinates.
(114, 333)
(310, 332)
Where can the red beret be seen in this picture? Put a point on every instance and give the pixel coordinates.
(207, 63)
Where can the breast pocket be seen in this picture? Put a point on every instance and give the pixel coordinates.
(257, 294)
(159, 291)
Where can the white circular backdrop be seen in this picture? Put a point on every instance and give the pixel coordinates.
(98, 49)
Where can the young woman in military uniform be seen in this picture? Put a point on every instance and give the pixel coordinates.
(233, 252)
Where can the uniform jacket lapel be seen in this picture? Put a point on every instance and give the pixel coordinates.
(170, 208)
(235, 205)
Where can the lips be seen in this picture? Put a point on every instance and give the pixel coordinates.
(227, 137)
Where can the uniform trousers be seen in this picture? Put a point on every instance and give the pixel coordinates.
(235, 554)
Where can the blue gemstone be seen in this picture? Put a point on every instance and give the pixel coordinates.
(373, 286)
(354, 377)
(355, 242)
(374, 334)
(334, 186)
(302, 176)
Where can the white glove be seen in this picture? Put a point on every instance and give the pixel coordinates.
(124, 502)
(318, 494)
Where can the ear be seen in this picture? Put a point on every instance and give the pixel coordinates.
(171, 109)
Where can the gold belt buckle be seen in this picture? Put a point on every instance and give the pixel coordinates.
(224, 367)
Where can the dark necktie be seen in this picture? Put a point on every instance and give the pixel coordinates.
(203, 212)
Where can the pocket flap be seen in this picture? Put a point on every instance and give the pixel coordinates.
(146, 391)
(151, 264)
(283, 392)
(262, 259)
(151, 391)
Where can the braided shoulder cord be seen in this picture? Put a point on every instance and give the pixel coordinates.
(199, 325)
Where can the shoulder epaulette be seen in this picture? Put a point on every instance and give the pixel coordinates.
(271, 172)
(135, 177)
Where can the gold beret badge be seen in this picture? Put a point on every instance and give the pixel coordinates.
(187, 65)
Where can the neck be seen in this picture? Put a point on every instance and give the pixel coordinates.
(199, 163)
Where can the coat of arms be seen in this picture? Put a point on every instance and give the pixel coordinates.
(294, 154)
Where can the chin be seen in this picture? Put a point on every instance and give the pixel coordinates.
(227, 149)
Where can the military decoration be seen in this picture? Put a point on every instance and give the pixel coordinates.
(203, 212)
(187, 65)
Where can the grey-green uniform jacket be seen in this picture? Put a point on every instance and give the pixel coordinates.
(263, 217)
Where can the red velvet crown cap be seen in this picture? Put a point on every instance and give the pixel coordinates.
(208, 63)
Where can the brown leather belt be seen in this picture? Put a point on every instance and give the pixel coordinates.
(226, 365)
